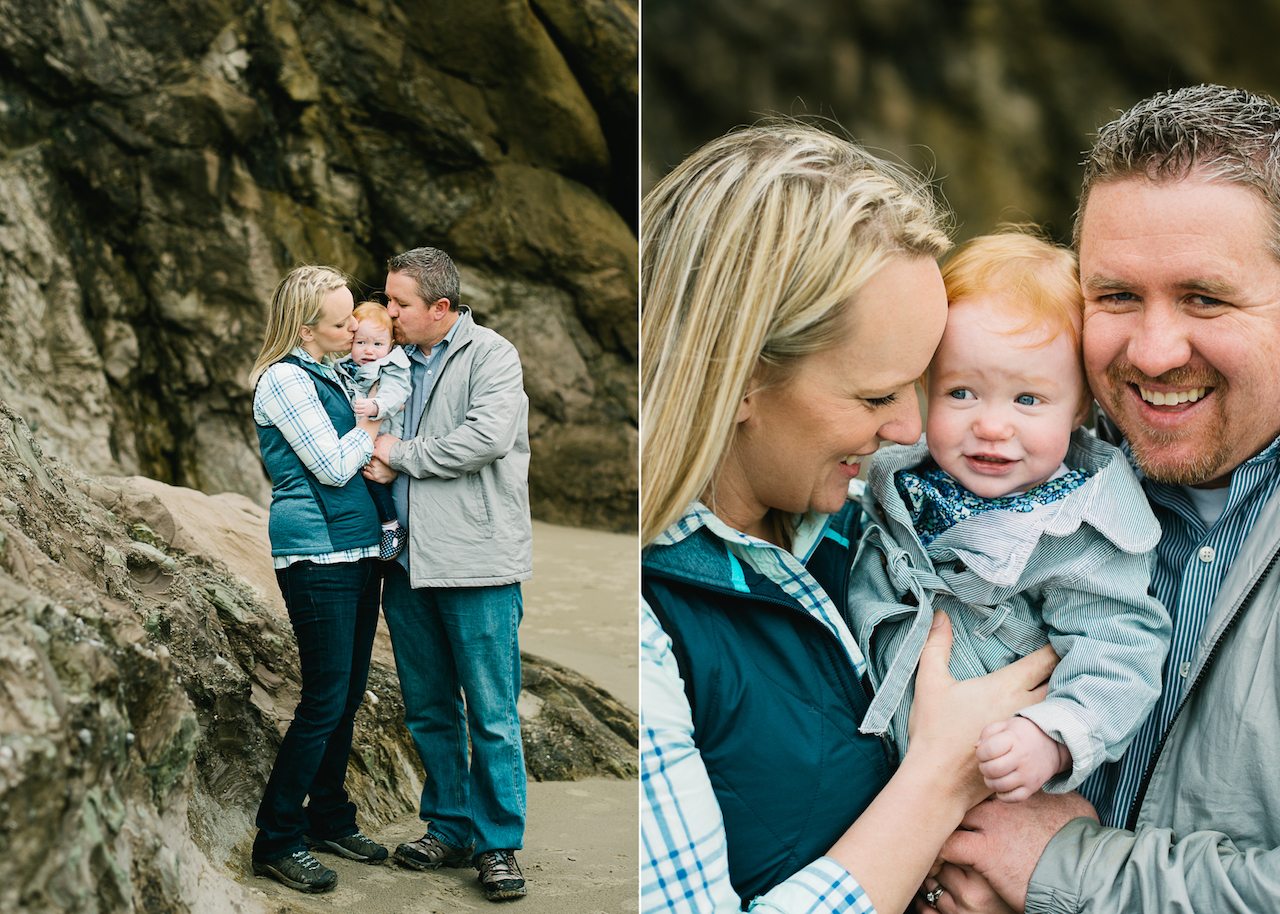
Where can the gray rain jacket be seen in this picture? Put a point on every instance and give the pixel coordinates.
(1207, 835)
(469, 468)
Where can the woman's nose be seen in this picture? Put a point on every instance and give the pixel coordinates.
(904, 425)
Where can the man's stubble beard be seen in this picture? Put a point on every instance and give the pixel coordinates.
(1148, 445)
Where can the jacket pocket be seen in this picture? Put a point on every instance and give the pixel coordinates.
(478, 507)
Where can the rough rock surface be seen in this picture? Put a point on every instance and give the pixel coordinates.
(164, 162)
(147, 672)
(997, 98)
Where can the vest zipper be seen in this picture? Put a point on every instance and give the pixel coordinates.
(1132, 819)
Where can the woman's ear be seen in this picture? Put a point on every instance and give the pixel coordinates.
(305, 334)
(747, 408)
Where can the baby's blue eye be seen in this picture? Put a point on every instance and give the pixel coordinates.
(1025, 400)
(962, 394)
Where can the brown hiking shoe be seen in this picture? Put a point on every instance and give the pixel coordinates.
(500, 875)
(429, 853)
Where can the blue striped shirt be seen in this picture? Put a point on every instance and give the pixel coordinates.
(286, 398)
(683, 849)
(1191, 562)
(424, 370)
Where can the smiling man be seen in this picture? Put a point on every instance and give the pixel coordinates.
(1182, 295)
(1179, 240)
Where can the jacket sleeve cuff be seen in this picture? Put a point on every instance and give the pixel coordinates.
(395, 459)
(1056, 882)
(1063, 722)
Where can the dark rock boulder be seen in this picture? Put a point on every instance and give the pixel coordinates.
(163, 164)
(147, 674)
(996, 98)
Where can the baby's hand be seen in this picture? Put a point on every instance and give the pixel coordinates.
(1015, 758)
(366, 408)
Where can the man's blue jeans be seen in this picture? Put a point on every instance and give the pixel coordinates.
(334, 611)
(451, 641)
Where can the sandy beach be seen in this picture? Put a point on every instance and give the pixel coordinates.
(580, 841)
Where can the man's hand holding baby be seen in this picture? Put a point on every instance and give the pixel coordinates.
(1016, 758)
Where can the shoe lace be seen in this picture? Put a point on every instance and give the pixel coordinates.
(501, 865)
(305, 860)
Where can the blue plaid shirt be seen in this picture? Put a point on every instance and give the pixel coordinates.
(286, 398)
(684, 854)
(1191, 562)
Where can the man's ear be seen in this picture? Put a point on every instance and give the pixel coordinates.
(439, 308)
(1083, 413)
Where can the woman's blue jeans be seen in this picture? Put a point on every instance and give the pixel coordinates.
(334, 611)
(451, 641)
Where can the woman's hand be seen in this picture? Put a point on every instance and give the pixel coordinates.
(378, 469)
(948, 715)
(893, 844)
(959, 890)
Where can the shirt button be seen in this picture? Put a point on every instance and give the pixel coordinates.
(1184, 669)
(1206, 553)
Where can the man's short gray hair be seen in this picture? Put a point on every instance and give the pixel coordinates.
(434, 272)
(1227, 135)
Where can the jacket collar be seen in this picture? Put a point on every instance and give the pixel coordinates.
(1112, 502)
(704, 539)
(459, 334)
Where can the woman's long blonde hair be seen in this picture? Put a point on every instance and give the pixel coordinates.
(297, 303)
(751, 250)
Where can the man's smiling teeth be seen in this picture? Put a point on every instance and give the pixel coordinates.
(1172, 398)
(851, 460)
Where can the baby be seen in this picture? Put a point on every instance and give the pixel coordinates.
(1019, 524)
(376, 361)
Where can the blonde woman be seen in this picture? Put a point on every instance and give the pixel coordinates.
(324, 542)
(790, 299)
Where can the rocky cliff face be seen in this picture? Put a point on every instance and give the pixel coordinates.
(147, 674)
(164, 162)
(996, 98)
